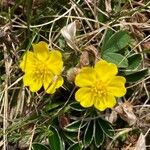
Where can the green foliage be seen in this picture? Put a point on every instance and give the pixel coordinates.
(116, 42)
(76, 146)
(106, 127)
(93, 131)
(117, 59)
(134, 61)
(89, 134)
(113, 47)
(76, 106)
(37, 146)
(134, 73)
(137, 75)
(99, 134)
(55, 141)
(70, 137)
(74, 126)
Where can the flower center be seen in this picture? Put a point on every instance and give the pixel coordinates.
(99, 89)
(41, 70)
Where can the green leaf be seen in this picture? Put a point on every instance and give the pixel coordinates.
(76, 106)
(136, 76)
(89, 134)
(117, 59)
(116, 42)
(38, 146)
(134, 62)
(76, 146)
(52, 106)
(55, 141)
(108, 34)
(71, 137)
(74, 126)
(106, 127)
(99, 135)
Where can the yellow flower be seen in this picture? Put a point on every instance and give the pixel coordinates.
(99, 86)
(42, 68)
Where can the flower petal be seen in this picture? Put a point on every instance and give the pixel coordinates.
(85, 97)
(41, 50)
(55, 62)
(28, 62)
(105, 70)
(47, 81)
(32, 81)
(86, 77)
(107, 101)
(56, 83)
(117, 86)
(27, 78)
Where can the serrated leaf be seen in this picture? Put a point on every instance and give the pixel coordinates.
(76, 146)
(116, 58)
(116, 42)
(38, 146)
(73, 127)
(99, 135)
(136, 76)
(106, 127)
(55, 141)
(89, 134)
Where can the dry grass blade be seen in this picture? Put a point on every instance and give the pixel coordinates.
(5, 98)
(82, 31)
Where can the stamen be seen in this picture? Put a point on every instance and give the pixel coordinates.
(41, 70)
(99, 89)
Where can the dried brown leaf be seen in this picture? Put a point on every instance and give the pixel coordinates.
(84, 59)
(146, 45)
(112, 117)
(125, 111)
(94, 51)
(71, 74)
(140, 145)
(108, 6)
(69, 33)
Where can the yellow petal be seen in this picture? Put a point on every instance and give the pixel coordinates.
(117, 86)
(47, 81)
(56, 83)
(86, 77)
(28, 62)
(105, 70)
(41, 50)
(33, 82)
(108, 101)
(55, 63)
(27, 78)
(85, 97)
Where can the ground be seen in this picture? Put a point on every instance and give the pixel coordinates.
(84, 32)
